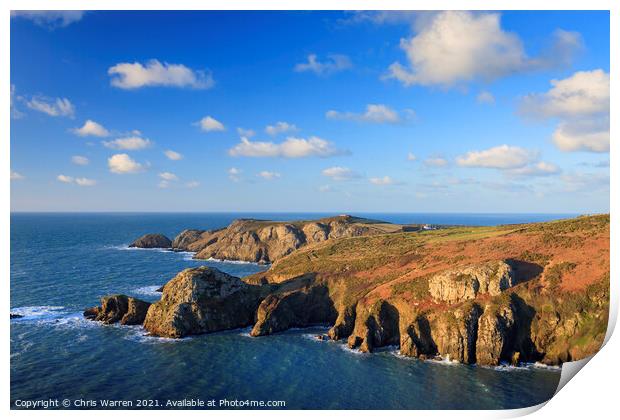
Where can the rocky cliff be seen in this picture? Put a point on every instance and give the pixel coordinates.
(152, 240)
(265, 241)
(522, 293)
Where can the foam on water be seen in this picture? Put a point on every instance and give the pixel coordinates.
(36, 312)
(147, 290)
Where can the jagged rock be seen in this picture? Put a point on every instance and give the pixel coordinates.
(495, 328)
(461, 284)
(185, 238)
(152, 240)
(119, 308)
(14, 316)
(201, 300)
(376, 325)
(343, 327)
(299, 308)
(455, 334)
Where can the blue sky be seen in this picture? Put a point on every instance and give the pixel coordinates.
(369, 111)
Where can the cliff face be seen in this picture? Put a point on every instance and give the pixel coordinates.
(266, 241)
(513, 294)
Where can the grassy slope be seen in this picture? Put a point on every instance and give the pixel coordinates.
(564, 272)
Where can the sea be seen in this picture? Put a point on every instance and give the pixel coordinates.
(62, 263)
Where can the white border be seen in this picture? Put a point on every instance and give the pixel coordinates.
(592, 395)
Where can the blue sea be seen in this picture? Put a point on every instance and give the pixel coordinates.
(63, 263)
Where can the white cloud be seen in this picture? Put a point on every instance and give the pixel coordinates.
(172, 155)
(209, 123)
(538, 169)
(375, 113)
(458, 46)
(168, 176)
(485, 97)
(333, 64)
(50, 18)
(589, 134)
(292, 147)
(128, 143)
(15, 113)
(280, 127)
(163, 184)
(339, 173)
(16, 176)
(85, 182)
(438, 162)
(245, 132)
(499, 157)
(192, 184)
(325, 188)
(65, 178)
(268, 175)
(136, 75)
(583, 93)
(411, 157)
(91, 128)
(59, 107)
(581, 102)
(79, 160)
(234, 174)
(386, 180)
(123, 164)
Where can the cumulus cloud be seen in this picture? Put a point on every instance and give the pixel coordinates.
(333, 63)
(499, 157)
(583, 93)
(245, 132)
(65, 178)
(168, 176)
(50, 18)
(280, 127)
(85, 182)
(154, 73)
(268, 175)
(122, 163)
(234, 174)
(375, 113)
(339, 173)
(411, 157)
(292, 147)
(16, 176)
(485, 97)
(128, 143)
(79, 160)
(454, 47)
(581, 103)
(386, 180)
(538, 169)
(91, 128)
(59, 107)
(172, 155)
(209, 123)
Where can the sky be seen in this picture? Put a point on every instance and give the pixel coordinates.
(310, 111)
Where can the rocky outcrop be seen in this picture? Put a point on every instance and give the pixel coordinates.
(183, 240)
(201, 300)
(376, 325)
(15, 316)
(299, 308)
(495, 331)
(151, 240)
(265, 241)
(119, 308)
(462, 284)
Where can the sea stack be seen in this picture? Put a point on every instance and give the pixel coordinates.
(152, 240)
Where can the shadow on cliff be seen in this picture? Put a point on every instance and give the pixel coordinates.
(521, 339)
(524, 271)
